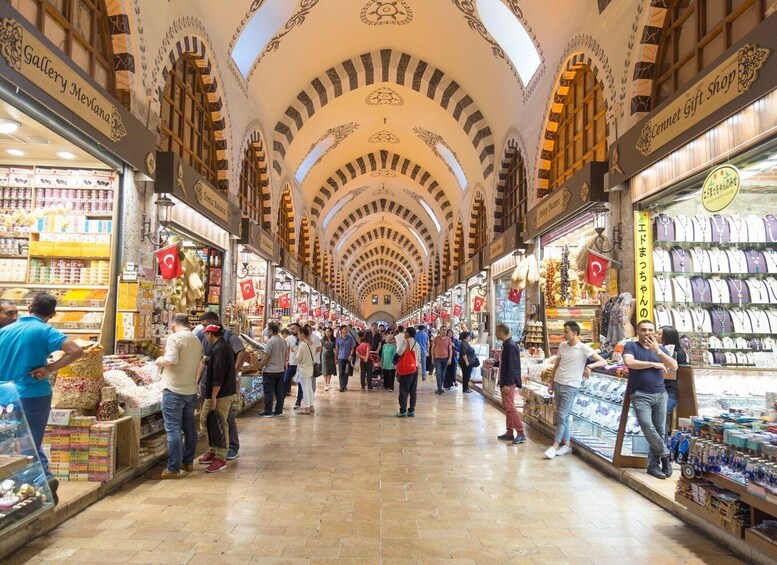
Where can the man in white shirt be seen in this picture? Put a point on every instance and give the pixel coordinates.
(292, 341)
(569, 370)
(179, 366)
(317, 348)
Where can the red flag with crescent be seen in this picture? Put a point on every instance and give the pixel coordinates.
(477, 303)
(169, 262)
(596, 271)
(284, 301)
(444, 314)
(247, 289)
(457, 310)
(302, 306)
(316, 312)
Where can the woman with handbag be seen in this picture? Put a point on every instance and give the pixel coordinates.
(328, 362)
(468, 360)
(668, 336)
(305, 368)
(408, 365)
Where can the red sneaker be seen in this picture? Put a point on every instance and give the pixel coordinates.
(206, 459)
(216, 466)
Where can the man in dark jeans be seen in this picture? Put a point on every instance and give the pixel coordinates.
(273, 367)
(648, 362)
(292, 341)
(408, 384)
(345, 346)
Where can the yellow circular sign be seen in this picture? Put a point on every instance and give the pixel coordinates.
(720, 188)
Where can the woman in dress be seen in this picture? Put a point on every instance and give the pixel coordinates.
(387, 362)
(328, 363)
(467, 357)
(667, 335)
(305, 361)
(450, 371)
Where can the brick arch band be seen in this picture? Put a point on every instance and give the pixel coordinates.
(286, 195)
(381, 283)
(394, 258)
(386, 66)
(384, 235)
(575, 64)
(194, 46)
(384, 206)
(120, 30)
(381, 160)
(473, 222)
(255, 141)
(647, 57)
(513, 145)
(383, 251)
(383, 266)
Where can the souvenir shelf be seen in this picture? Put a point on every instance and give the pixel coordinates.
(24, 492)
(585, 315)
(56, 236)
(604, 423)
(534, 334)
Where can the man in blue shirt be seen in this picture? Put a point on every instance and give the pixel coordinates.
(345, 345)
(25, 347)
(648, 362)
(423, 341)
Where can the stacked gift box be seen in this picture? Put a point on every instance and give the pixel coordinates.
(102, 449)
(82, 450)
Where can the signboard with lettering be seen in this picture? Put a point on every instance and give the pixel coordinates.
(580, 192)
(31, 62)
(720, 188)
(259, 241)
(643, 254)
(292, 265)
(506, 242)
(739, 77)
(471, 267)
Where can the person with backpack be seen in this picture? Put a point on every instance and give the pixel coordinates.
(410, 358)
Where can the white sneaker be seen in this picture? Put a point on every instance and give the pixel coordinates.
(550, 453)
(564, 450)
(326, 387)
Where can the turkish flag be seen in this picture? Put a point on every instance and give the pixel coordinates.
(596, 271)
(284, 301)
(444, 314)
(457, 310)
(477, 304)
(169, 262)
(515, 295)
(434, 317)
(302, 306)
(316, 312)
(247, 289)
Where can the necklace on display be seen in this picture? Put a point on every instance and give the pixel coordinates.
(683, 317)
(681, 253)
(699, 317)
(664, 220)
(662, 283)
(717, 252)
(738, 257)
(684, 223)
(703, 226)
(720, 224)
(700, 285)
(698, 259)
(756, 259)
(758, 317)
(760, 287)
(736, 223)
(680, 283)
(720, 314)
(737, 283)
(741, 314)
(720, 285)
(771, 222)
(771, 290)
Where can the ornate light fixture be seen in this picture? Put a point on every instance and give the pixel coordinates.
(164, 210)
(600, 223)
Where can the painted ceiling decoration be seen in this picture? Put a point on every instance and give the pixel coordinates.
(383, 192)
(383, 136)
(381, 267)
(383, 164)
(440, 148)
(383, 206)
(396, 67)
(386, 12)
(383, 236)
(378, 249)
(384, 96)
(321, 148)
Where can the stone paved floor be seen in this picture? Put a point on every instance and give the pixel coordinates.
(354, 484)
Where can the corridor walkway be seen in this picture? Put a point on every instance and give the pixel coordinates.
(354, 484)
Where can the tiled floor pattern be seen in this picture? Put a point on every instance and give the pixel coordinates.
(355, 484)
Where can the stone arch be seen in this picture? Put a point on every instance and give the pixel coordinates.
(254, 139)
(202, 54)
(384, 206)
(380, 283)
(377, 161)
(569, 69)
(459, 249)
(646, 58)
(393, 67)
(120, 29)
(383, 250)
(385, 267)
(286, 210)
(383, 235)
(305, 239)
(373, 254)
(513, 143)
(478, 199)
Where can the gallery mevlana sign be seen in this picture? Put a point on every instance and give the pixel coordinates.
(25, 54)
(728, 81)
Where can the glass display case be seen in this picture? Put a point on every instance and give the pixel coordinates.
(604, 422)
(24, 490)
(507, 311)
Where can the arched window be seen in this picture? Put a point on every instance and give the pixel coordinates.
(315, 262)
(285, 227)
(696, 32)
(304, 242)
(581, 136)
(515, 202)
(458, 246)
(186, 126)
(253, 194)
(480, 225)
(325, 265)
(446, 258)
(80, 30)
(437, 270)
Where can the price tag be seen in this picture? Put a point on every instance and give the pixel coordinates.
(60, 417)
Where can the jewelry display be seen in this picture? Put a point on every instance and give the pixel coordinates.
(664, 228)
(718, 260)
(720, 229)
(679, 262)
(701, 290)
(719, 291)
(701, 260)
(682, 289)
(738, 229)
(683, 228)
(759, 321)
(701, 229)
(662, 261)
(741, 319)
(683, 321)
(756, 230)
(756, 262)
(759, 291)
(663, 288)
(737, 261)
(701, 319)
(663, 316)
(739, 289)
(770, 225)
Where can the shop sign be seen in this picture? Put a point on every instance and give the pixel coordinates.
(643, 253)
(450, 280)
(720, 188)
(213, 201)
(470, 267)
(583, 189)
(32, 63)
(292, 264)
(744, 75)
(719, 87)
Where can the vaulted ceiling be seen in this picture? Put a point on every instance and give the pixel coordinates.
(384, 117)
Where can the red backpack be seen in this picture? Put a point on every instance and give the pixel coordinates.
(407, 364)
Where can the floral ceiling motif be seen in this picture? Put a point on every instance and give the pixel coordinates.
(385, 96)
(383, 136)
(386, 12)
(339, 133)
(384, 173)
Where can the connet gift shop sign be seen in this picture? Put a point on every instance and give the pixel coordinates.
(25, 54)
(728, 81)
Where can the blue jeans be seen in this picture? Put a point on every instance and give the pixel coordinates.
(423, 365)
(178, 413)
(440, 365)
(564, 400)
(37, 410)
(651, 414)
(288, 377)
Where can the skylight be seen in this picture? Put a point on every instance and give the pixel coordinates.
(420, 241)
(336, 208)
(313, 156)
(453, 164)
(258, 32)
(511, 36)
(431, 214)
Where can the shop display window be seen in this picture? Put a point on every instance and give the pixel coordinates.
(283, 293)
(508, 311)
(251, 292)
